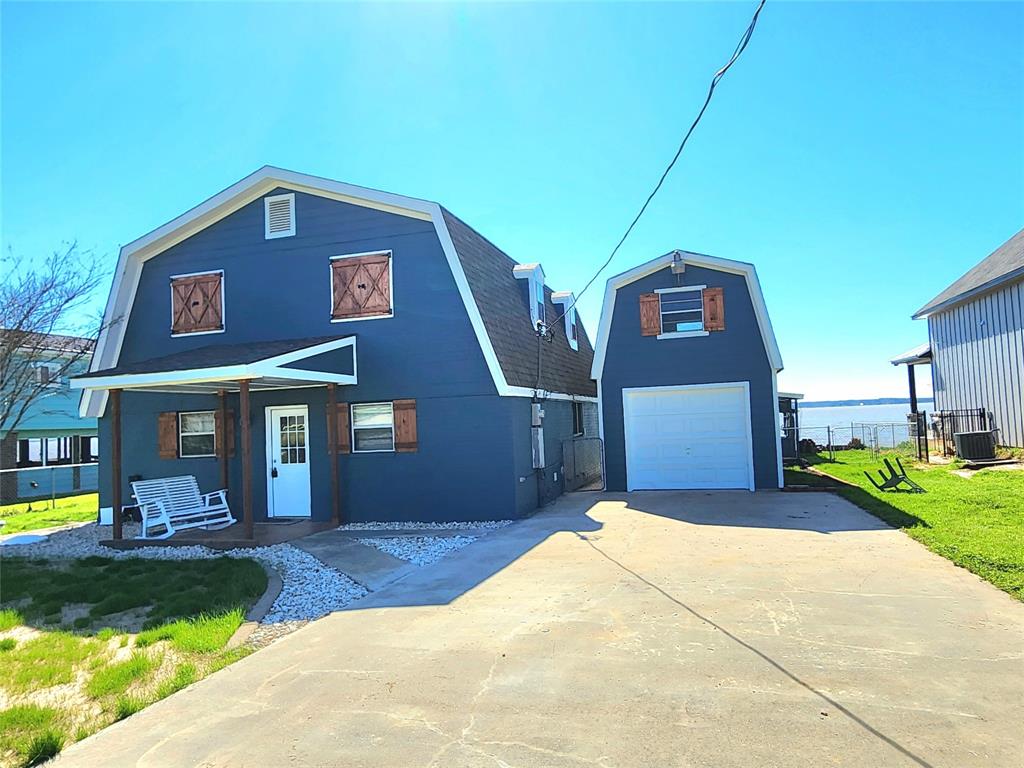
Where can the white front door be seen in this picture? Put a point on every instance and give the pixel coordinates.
(694, 436)
(287, 461)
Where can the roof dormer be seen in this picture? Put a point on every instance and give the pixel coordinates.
(567, 303)
(535, 277)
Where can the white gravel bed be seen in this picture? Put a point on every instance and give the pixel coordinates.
(309, 589)
(419, 550)
(482, 525)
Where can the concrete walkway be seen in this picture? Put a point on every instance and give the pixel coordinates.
(657, 629)
(365, 564)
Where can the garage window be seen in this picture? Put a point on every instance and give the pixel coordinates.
(682, 310)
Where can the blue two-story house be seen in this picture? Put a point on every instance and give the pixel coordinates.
(332, 352)
(686, 368)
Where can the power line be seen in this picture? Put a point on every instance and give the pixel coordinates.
(740, 47)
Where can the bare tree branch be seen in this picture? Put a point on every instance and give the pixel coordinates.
(44, 323)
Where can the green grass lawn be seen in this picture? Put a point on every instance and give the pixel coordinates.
(46, 514)
(122, 633)
(977, 521)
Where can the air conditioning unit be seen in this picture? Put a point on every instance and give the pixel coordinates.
(975, 446)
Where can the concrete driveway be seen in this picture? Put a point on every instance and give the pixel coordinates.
(654, 629)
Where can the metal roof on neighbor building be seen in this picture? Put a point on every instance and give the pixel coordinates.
(1002, 265)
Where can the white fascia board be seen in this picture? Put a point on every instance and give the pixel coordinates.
(252, 187)
(543, 394)
(312, 351)
(698, 260)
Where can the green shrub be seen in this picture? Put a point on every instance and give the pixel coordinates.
(8, 644)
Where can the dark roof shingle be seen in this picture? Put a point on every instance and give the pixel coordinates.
(1004, 263)
(506, 314)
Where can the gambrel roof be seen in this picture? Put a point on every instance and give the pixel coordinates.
(698, 260)
(499, 315)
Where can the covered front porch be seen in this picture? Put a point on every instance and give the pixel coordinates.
(286, 379)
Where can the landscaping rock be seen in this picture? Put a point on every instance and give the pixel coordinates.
(419, 550)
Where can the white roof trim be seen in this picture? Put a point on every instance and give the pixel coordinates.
(913, 356)
(252, 187)
(697, 260)
(270, 368)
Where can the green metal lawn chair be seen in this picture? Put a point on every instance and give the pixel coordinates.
(895, 479)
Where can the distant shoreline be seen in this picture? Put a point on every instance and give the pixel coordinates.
(873, 401)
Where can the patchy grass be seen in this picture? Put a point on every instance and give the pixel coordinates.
(27, 732)
(10, 618)
(115, 678)
(977, 522)
(161, 590)
(34, 515)
(79, 625)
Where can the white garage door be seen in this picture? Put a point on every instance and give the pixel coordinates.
(688, 437)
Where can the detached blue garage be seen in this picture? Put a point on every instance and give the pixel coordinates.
(686, 367)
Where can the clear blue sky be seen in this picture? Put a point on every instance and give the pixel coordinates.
(862, 155)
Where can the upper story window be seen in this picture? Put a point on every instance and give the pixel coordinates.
(673, 313)
(279, 216)
(566, 301)
(534, 276)
(682, 310)
(361, 286)
(197, 303)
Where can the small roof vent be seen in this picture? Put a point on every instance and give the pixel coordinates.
(279, 212)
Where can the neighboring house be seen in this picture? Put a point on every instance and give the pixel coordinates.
(51, 433)
(686, 366)
(976, 342)
(286, 292)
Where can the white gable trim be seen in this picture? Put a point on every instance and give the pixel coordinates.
(252, 187)
(697, 260)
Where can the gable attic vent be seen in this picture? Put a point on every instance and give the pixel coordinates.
(279, 215)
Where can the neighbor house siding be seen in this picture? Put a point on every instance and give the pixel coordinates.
(735, 354)
(978, 359)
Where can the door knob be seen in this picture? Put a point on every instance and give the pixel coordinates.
(273, 472)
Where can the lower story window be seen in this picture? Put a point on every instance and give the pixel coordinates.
(577, 419)
(89, 449)
(196, 436)
(373, 427)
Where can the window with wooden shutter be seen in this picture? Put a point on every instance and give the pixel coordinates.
(650, 314)
(714, 309)
(342, 433)
(361, 286)
(197, 303)
(167, 435)
(405, 426)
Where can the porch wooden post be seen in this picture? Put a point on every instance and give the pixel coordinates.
(115, 460)
(332, 452)
(243, 407)
(913, 388)
(222, 439)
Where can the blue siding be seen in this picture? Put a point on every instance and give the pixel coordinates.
(978, 359)
(734, 354)
(471, 442)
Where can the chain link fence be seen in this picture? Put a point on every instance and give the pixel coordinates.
(41, 486)
(877, 437)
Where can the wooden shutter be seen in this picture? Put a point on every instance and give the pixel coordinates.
(405, 426)
(650, 314)
(714, 309)
(343, 435)
(167, 435)
(197, 303)
(361, 286)
(229, 434)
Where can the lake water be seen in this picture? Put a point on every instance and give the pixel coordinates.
(844, 415)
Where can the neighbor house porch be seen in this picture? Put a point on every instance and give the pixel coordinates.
(202, 395)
